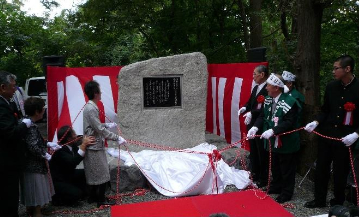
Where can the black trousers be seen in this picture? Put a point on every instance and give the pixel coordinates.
(331, 151)
(283, 173)
(98, 192)
(259, 160)
(9, 191)
(70, 192)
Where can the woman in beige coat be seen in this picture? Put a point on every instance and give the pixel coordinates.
(95, 161)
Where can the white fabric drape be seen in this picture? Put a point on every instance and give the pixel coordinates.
(176, 174)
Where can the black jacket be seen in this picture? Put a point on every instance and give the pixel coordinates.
(331, 117)
(63, 164)
(12, 144)
(251, 105)
(35, 151)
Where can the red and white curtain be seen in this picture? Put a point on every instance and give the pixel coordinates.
(229, 88)
(66, 96)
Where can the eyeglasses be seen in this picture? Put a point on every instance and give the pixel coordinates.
(336, 68)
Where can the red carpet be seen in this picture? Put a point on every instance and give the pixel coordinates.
(244, 203)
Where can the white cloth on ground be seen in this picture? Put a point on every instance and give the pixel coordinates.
(181, 172)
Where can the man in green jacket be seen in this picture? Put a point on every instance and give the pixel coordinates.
(280, 114)
(289, 81)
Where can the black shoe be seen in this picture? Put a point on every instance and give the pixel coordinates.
(91, 200)
(282, 199)
(262, 184)
(314, 204)
(57, 203)
(274, 190)
(334, 202)
(106, 203)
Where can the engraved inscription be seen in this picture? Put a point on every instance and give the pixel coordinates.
(162, 91)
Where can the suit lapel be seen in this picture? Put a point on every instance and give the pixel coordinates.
(263, 91)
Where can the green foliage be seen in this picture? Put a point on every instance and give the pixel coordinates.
(120, 32)
(166, 28)
(20, 42)
(340, 35)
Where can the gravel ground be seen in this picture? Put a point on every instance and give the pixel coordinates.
(301, 195)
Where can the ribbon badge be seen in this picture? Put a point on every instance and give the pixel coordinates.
(278, 142)
(349, 107)
(260, 101)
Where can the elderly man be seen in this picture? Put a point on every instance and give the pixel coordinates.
(339, 118)
(12, 147)
(258, 156)
(279, 115)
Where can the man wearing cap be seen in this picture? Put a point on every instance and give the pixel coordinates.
(289, 81)
(279, 116)
(258, 156)
(338, 118)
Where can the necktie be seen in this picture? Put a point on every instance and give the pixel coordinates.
(255, 90)
(274, 105)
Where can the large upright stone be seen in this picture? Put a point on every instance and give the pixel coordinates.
(163, 101)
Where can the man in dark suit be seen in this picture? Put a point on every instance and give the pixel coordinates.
(339, 118)
(258, 156)
(69, 182)
(12, 147)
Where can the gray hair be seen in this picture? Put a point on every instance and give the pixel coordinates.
(6, 77)
(262, 68)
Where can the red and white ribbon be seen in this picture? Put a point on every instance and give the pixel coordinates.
(278, 142)
(348, 120)
(260, 101)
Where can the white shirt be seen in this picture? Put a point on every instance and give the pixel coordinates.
(275, 100)
(260, 86)
(80, 152)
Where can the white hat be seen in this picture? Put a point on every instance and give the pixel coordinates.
(275, 81)
(288, 76)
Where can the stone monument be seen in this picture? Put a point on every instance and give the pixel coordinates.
(163, 101)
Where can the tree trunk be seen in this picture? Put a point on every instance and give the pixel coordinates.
(255, 23)
(307, 67)
(307, 61)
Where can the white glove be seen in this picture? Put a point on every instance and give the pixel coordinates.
(311, 126)
(47, 156)
(110, 125)
(248, 119)
(252, 132)
(241, 110)
(121, 140)
(54, 146)
(27, 122)
(348, 140)
(267, 134)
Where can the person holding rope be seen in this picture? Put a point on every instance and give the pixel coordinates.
(35, 182)
(95, 162)
(12, 146)
(258, 156)
(69, 182)
(279, 115)
(338, 118)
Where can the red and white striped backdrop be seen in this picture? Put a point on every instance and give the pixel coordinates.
(229, 87)
(66, 96)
